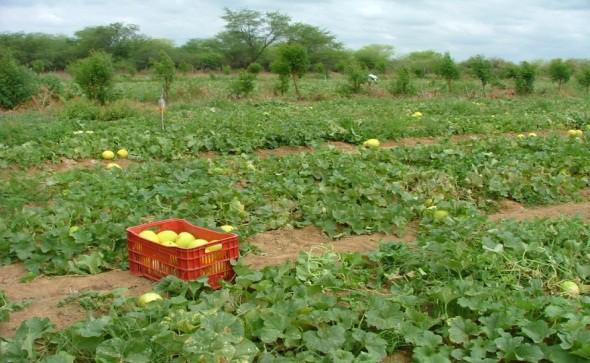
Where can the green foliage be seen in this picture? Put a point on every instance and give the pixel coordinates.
(402, 84)
(293, 62)
(38, 66)
(80, 109)
(165, 71)
(248, 33)
(524, 78)
(422, 63)
(7, 307)
(95, 76)
(226, 70)
(53, 83)
(583, 78)
(448, 70)
(254, 68)
(465, 293)
(375, 57)
(243, 86)
(482, 69)
(17, 83)
(560, 72)
(356, 76)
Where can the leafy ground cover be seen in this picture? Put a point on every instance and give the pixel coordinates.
(74, 221)
(471, 291)
(230, 127)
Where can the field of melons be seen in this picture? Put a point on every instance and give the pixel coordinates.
(466, 288)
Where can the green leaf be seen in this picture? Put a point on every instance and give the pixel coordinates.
(537, 330)
(325, 339)
(60, 357)
(529, 353)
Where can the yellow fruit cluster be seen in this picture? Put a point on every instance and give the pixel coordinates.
(170, 238)
(575, 133)
(109, 155)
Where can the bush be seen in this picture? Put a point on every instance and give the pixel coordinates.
(226, 70)
(53, 84)
(17, 83)
(164, 70)
(584, 78)
(356, 76)
(254, 68)
(81, 109)
(560, 72)
(243, 85)
(524, 77)
(402, 85)
(282, 85)
(95, 74)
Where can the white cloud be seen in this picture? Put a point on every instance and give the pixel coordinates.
(526, 29)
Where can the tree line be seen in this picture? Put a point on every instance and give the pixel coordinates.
(250, 41)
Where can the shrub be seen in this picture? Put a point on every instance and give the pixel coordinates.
(38, 66)
(293, 62)
(164, 70)
(81, 109)
(17, 83)
(482, 69)
(95, 74)
(254, 68)
(402, 85)
(560, 72)
(243, 85)
(448, 70)
(584, 78)
(356, 76)
(226, 70)
(52, 83)
(524, 77)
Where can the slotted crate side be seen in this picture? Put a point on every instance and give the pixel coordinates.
(155, 261)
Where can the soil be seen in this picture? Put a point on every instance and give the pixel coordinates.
(398, 357)
(283, 245)
(282, 151)
(46, 293)
(581, 210)
(275, 248)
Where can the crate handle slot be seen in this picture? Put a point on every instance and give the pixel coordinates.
(213, 248)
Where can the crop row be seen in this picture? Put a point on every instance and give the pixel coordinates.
(470, 291)
(234, 129)
(375, 190)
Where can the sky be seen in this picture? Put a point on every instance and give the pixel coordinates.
(511, 29)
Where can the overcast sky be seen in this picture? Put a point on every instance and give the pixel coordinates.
(512, 29)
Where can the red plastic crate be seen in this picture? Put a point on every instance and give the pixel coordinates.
(155, 261)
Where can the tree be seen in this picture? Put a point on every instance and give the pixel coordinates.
(482, 69)
(583, 78)
(203, 54)
(448, 70)
(524, 77)
(292, 61)
(17, 83)
(421, 63)
(375, 57)
(560, 72)
(164, 70)
(321, 45)
(248, 33)
(115, 38)
(95, 74)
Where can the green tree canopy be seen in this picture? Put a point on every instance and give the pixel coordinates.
(248, 33)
